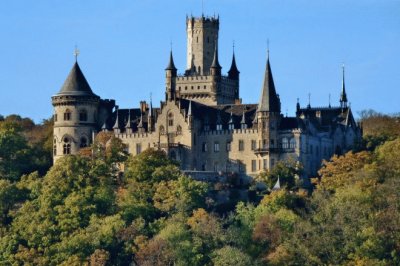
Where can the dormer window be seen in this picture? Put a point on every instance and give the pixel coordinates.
(83, 115)
(231, 126)
(219, 127)
(67, 115)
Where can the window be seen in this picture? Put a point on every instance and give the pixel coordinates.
(138, 148)
(311, 149)
(204, 147)
(228, 146)
(55, 117)
(206, 127)
(241, 145)
(265, 144)
(243, 126)
(272, 143)
(178, 130)
(231, 126)
(185, 88)
(67, 146)
(292, 143)
(198, 87)
(67, 115)
(216, 147)
(170, 119)
(205, 87)
(219, 127)
(253, 165)
(272, 162)
(272, 125)
(285, 143)
(265, 164)
(54, 147)
(162, 130)
(253, 145)
(83, 115)
(83, 142)
(215, 167)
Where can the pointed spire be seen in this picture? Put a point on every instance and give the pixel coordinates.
(343, 96)
(277, 185)
(116, 124)
(231, 117)
(171, 64)
(140, 125)
(128, 123)
(215, 63)
(269, 101)
(243, 121)
(233, 72)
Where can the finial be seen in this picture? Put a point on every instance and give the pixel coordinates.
(76, 53)
(233, 46)
(309, 99)
(329, 100)
(268, 48)
(202, 8)
(286, 112)
(170, 45)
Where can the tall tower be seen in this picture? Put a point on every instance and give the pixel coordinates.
(202, 38)
(268, 118)
(75, 114)
(343, 95)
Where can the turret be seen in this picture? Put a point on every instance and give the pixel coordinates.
(215, 68)
(190, 115)
(170, 76)
(150, 118)
(75, 114)
(116, 127)
(268, 115)
(128, 126)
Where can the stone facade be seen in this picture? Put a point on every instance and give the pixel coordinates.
(202, 122)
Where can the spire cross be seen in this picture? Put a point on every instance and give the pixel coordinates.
(76, 53)
(329, 100)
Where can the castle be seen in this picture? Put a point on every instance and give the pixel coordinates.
(202, 122)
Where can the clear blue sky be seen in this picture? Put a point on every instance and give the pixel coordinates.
(125, 44)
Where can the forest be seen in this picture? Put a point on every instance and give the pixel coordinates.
(82, 211)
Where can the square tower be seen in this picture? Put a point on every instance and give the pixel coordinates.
(202, 39)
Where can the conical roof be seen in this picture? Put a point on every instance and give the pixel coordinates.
(343, 95)
(215, 62)
(269, 101)
(233, 71)
(171, 65)
(76, 84)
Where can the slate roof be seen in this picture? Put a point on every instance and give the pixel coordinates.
(269, 100)
(76, 84)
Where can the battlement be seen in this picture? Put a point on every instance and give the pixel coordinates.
(228, 132)
(194, 22)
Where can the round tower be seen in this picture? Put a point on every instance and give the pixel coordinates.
(75, 114)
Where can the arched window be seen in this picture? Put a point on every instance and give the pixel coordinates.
(83, 115)
(170, 119)
(67, 115)
(162, 130)
(84, 142)
(285, 143)
(54, 147)
(178, 130)
(292, 143)
(67, 146)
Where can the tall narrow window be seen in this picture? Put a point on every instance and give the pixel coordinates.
(138, 148)
(265, 164)
(178, 130)
(253, 165)
(54, 147)
(253, 145)
(204, 147)
(285, 143)
(55, 118)
(67, 115)
(216, 146)
(292, 143)
(83, 115)
(241, 145)
(228, 146)
(170, 119)
(67, 146)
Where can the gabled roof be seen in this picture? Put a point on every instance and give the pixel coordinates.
(76, 84)
(269, 101)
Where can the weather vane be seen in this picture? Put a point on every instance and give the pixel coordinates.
(76, 53)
